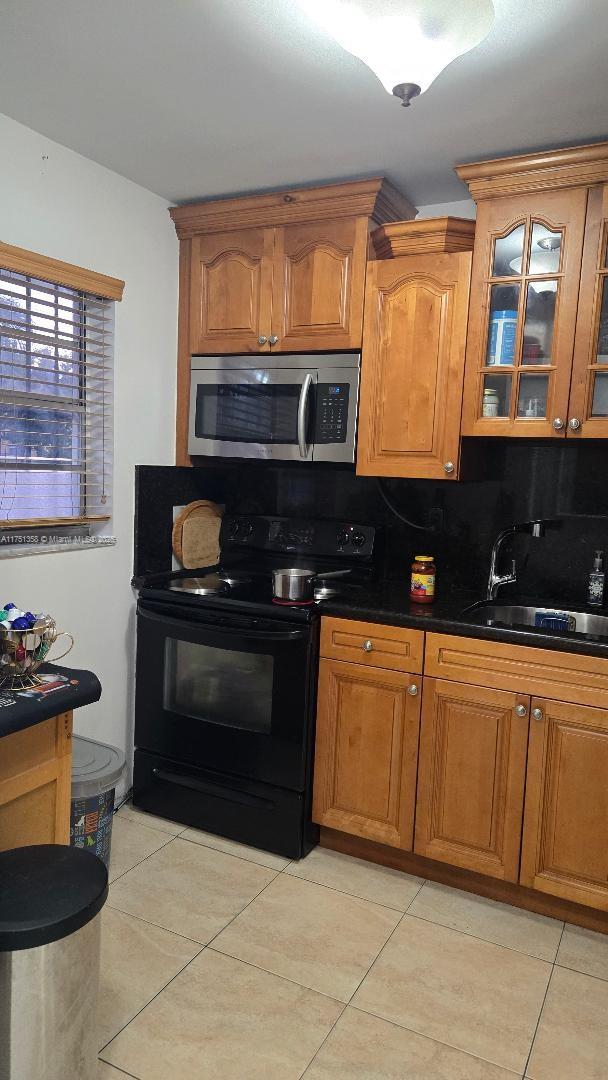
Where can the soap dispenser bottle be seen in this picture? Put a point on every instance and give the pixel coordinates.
(595, 592)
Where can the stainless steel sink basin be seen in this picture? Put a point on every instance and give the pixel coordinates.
(553, 619)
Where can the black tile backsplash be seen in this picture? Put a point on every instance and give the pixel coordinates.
(506, 481)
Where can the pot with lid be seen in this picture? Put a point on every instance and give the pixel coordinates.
(297, 586)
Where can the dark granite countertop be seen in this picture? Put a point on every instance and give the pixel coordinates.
(21, 709)
(388, 602)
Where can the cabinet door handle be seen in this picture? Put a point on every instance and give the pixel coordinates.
(521, 710)
(368, 645)
(412, 689)
(448, 467)
(537, 714)
(273, 339)
(262, 340)
(574, 424)
(558, 423)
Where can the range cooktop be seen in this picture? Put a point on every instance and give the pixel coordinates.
(252, 547)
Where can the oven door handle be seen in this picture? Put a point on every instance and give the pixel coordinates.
(223, 631)
(303, 414)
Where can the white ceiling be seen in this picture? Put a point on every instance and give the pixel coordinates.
(192, 98)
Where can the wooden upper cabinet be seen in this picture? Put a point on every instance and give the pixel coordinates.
(413, 351)
(231, 291)
(318, 284)
(588, 412)
(471, 777)
(565, 838)
(366, 752)
(525, 328)
(281, 272)
(524, 295)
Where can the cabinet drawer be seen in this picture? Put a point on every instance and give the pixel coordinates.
(373, 644)
(541, 672)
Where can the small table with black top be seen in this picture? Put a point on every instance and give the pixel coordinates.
(36, 756)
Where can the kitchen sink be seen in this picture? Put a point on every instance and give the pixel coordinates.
(552, 618)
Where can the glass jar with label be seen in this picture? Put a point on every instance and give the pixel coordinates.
(422, 587)
(490, 403)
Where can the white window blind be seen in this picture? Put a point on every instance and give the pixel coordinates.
(56, 349)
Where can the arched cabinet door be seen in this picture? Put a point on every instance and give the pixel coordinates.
(318, 284)
(589, 390)
(413, 366)
(524, 295)
(231, 291)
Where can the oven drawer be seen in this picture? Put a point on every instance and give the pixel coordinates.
(374, 644)
(261, 815)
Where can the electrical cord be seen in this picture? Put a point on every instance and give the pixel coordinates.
(393, 509)
(125, 799)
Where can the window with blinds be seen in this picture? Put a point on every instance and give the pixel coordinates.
(56, 349)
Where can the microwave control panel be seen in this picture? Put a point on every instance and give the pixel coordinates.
(331, 418)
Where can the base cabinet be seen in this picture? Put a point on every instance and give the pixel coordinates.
(565, 839)
(509, 781)
(366, 753)
(35, 784)
(471, 776)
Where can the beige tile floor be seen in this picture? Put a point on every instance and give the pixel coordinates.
(220, 962)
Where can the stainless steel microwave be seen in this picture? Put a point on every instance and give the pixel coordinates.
(292, 407)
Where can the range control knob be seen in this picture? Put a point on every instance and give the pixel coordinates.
(246, 529)
(342, 537)
(358, 540)
(233, 529)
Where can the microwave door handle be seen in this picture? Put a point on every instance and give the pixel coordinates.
(303, 414)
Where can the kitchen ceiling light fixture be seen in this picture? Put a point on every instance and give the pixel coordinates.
(406, 43)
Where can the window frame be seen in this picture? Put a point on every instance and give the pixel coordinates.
(86, 284)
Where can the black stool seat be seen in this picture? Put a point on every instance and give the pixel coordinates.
(47, 892)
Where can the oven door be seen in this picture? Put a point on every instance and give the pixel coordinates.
(254, 412)
(225, 692)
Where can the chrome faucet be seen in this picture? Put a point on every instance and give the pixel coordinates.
(534, 528)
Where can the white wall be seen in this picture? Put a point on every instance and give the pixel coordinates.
(60, 204)
(462, 208)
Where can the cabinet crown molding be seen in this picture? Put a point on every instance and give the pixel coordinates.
(423, 237)
(375, 198)
(575, 166)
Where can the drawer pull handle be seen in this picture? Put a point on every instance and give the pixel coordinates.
(521, 710)
(413, 689)
(537, 714)
(368, 645)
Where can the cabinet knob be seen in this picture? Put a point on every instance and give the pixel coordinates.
(537, 714)
(273, 339)
(413, 689)
(521, 710)
(558, 423)
(448, 467)
(262, 340)
(368, 645)
(574, 423)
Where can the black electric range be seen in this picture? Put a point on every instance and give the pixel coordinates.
(226, 682)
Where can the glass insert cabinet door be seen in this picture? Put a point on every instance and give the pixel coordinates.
(522, 316)
(588, 414)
